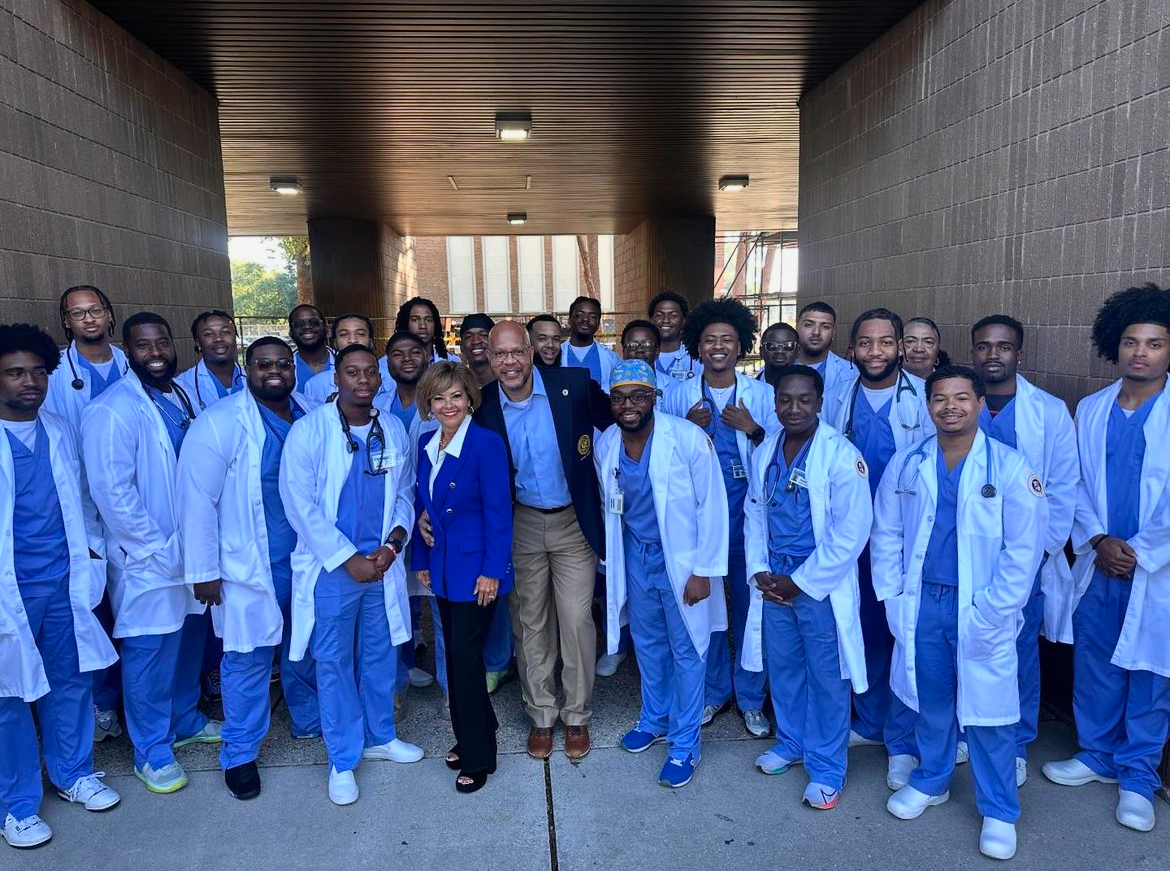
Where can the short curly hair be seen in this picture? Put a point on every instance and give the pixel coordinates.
(1148, 304)
(720, 311)
(15, 338)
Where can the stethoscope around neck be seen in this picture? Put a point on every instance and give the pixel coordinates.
(237, 377)
(987, 491)
(188, 409)
(904, 384)
(376, 432)
(77, 383)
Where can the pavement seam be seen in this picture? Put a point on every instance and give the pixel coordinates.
(553, 860)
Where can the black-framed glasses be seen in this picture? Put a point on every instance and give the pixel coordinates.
(282, 363)
(617, 401)
(779, 346)
(80, 314)
(305, 323)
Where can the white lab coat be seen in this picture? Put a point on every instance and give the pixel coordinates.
(313, 469)
(199, 384)
(224, 534)
(1046, 436)
(690, 502)
(130, 468)
(839, 499)
(1142, 645)
(909, 419)
(1001, 543)
(22, 673)
(62, 399)
(757, 396)
(838, 371)
(608, 360)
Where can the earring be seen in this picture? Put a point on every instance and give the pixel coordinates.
(471, 409)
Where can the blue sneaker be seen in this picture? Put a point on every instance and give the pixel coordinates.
(678, 772)
(635, 740)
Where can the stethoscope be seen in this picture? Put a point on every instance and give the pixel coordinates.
(376, 432)
(797, 477)
(904, 384)
(690, 373)
(987, 491)
(237, 378)
(708, 400)
(77, 383)
(188, 410)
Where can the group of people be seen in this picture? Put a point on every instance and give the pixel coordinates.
(874, 543)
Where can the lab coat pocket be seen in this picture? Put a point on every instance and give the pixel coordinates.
(97, 582)
(985, 640)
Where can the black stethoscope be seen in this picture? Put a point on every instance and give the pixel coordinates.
(690, 373)
(237, 378)
(376, 432)
(904, 384)
(188, 410)
(987, 491)
(77, 383)
(797, 477)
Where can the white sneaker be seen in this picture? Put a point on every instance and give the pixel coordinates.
(394, 751)
(608, 665)
(1134, 811)
(29, 832)
(1021, 771)
(1073, 772)
(757, 724)
(91, 792)
(899, 769)
(420, 678)
(908, 803)
(165, 780)
(962, 754)
(105, 725)
(858, 740)
(998, 839)
(710, 712)
(211, 733)
(343, 788)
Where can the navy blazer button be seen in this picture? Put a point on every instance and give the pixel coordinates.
(452, 485)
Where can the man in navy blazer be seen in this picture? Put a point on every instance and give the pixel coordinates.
(547, 418)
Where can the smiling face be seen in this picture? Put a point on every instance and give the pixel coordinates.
(995, 352)
(216, 340)
(954, 406)
(473, 347)
(87, 317)
(271, 374)
(668, 317)
(306, 328)
(640, 344)
(1144, 352)
(876, 350)
(632, 406)
(920, 345)
(511, 356)
(719, 347)
(421, 322)
(406, 361)
(24, 382)
(451, 406)
(351, 331)
(797, 404)
(546, 341)
(151, 354)
(358, 379)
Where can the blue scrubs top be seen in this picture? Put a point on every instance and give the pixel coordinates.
(790, 528)
(281, 538)
(873, 436)
(41, 559)
(591, 361)
(174, 418)
(1125, 449)
(405, 414)
(532, 436)
(941, 565)
(734, 472)
(1001, 426)
(98, 384)
(359, 510)
(305, 371)
(638, 515)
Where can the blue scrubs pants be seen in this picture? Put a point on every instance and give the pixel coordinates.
(65, 714)
(1028, 654)
(498, 651)
(879, 714)
(722, 674)
(672, 669)
(160, 683)
(107, 682)
(992, 748)
(809, 696)
(406, 660)
(247, 713)
(298, 680)
(356, 665)
(1122, 716)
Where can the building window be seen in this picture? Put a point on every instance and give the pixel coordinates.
(566, 272)
(497, 280)
(530, 253)
(461, 274)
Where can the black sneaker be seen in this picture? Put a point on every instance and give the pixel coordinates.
(243, 781)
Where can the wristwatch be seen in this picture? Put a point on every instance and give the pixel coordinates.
(757, 435)
(395, 544)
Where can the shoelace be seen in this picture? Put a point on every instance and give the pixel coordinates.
(88, 780)
(27, 823)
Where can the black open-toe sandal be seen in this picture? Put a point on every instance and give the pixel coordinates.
(476, 781)
(452, 759)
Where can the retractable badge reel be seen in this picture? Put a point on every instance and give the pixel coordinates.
(615, 502)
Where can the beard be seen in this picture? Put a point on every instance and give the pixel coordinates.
(146, 377)
(270, 393)
(640, 424)
(889, 369)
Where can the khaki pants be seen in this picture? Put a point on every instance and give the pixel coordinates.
(555, 569)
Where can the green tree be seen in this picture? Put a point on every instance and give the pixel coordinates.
(296, 250)
(260, 292)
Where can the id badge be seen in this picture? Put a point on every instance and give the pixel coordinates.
(738, 471)
(798, 479)
(680, 374)
(615, 503)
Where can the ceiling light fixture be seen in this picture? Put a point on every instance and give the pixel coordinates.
(733, 182)
(513, 126)
(517, 218)
(285, 185)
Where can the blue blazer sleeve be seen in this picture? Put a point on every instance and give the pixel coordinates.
(496, 492)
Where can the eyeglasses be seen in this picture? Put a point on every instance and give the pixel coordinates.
(779, 346)
(509, 353)
(284, 363)
(632, 398)
(80, 314)
(631, 347)
(306, 323)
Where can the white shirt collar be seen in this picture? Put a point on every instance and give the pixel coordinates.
(453, 448)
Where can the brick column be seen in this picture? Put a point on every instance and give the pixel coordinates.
(664, 254)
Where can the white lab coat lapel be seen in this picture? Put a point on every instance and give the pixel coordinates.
(22, 673)
(907, 406)
(757, 396)
(62, 399)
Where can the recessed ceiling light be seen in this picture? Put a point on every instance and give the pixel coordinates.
(513, 126)
(285, 185)
(733, 182)
(517, 218)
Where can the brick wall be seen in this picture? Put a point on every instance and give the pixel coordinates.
(399, 268)
(664, 253)
(110, 172)
(994, 156)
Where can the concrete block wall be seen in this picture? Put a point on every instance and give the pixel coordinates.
(110, 172)
(664, 253)
(994, 156)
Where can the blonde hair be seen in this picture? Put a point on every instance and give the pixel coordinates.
(441, 377)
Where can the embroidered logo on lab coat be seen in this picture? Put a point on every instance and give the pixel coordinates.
(583, 446)
(1036, 487)
(862, 469)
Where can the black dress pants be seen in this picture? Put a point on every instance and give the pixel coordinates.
(473, 719)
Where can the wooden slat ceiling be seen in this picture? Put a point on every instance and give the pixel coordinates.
(637, 108)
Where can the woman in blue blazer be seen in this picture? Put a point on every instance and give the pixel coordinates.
(463, 485)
